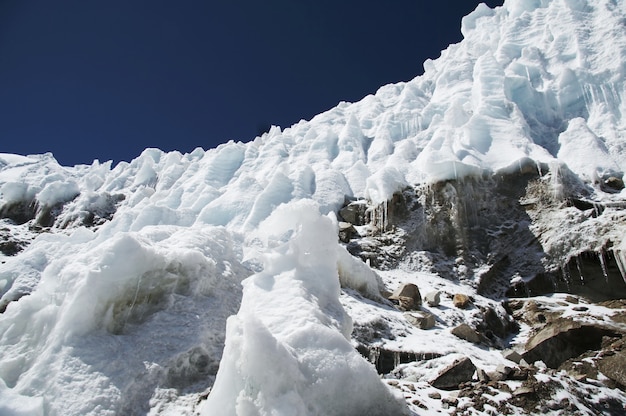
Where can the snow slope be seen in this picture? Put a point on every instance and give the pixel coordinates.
(119, 302)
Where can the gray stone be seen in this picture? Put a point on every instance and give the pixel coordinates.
(466, 332)
(458, 372)
(421, 319)
(433, 298)
(512, 355)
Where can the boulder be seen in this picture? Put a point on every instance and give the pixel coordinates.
(614, 367)
(407, 296)
(563, 339)
(433, 298)
(421, 319)
(461, 301)
(346, 231)
(460, 371)
(354, 213)
(613, 184)
(512, 355)
(466, 332)
(498, 324)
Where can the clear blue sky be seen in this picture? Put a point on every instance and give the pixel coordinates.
(103, 80)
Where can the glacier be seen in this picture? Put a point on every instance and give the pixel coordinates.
(213, 282)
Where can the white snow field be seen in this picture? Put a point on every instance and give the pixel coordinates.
(136, 282)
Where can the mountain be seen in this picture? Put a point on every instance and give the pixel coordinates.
(284, 276)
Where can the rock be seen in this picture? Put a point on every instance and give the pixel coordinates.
(614, 367)
(354, 213)
(562, 339)
(613, 184)
(482, 375)
(512, 355)
(498, 324)
(434, 395)
(523, 391)
(519, 374)
(433, 298)
(408, 296)
(502, 373)
(421, 319)
(461, 301)
(346, 231)
(466, 332)
(460, 371)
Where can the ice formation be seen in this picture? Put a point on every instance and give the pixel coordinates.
(120, 306)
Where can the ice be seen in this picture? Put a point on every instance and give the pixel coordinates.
(288, 348)
(579, 139)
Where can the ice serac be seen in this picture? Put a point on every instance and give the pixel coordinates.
(288, 349)
(527, 111)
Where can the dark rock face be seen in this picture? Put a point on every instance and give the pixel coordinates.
(19, 212)
(594, 275)
(460, 371)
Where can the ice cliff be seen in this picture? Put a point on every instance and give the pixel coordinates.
(117, 283)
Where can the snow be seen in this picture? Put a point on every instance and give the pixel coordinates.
(155, 277)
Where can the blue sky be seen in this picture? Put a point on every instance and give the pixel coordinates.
(103, 80)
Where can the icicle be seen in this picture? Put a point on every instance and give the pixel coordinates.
(603, 264)
(374, 356)
(620, 259)
(580, 269)
(555, 180)
(385, 215)
(566, 276)
(396, 359)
